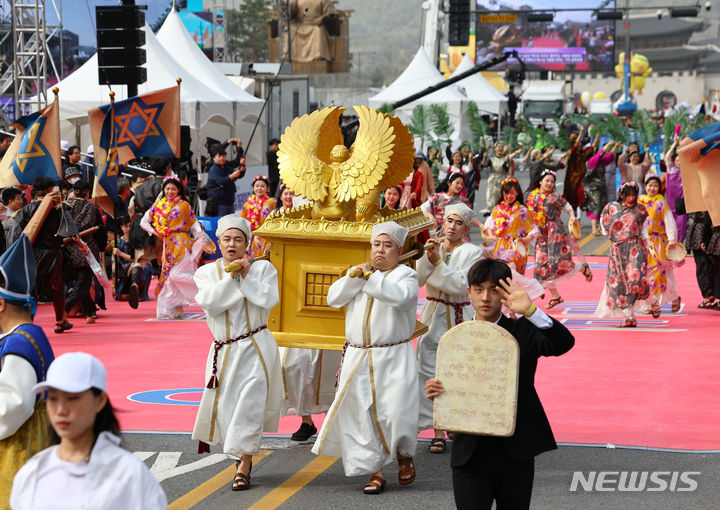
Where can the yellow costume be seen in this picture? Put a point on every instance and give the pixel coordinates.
(661, 228)
(511, 223)
(255, 210)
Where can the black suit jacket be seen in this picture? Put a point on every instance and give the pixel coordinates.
(533, 434)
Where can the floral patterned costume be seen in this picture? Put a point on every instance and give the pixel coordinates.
(626, 287)
(508, 223)
(255, 210)
(437, 203)
(554, 247)
(172, 220)
(661, 229)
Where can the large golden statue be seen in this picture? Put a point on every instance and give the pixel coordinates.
(345, 184)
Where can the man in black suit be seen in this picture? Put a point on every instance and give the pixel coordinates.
(487, 468)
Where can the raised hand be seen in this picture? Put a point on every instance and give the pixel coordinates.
(514, 296)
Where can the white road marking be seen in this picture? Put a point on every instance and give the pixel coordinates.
(166, 463)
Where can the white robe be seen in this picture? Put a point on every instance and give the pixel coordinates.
(374, 414)
(308, 380)
(248, 399)
(446, 281)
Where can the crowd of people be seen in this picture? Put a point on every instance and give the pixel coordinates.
(250, 383)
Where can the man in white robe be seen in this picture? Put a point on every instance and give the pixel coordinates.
(309, 377)
(373, 419)
(443, 271)
(243, 394)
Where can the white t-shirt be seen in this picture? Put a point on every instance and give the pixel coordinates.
(66, 479)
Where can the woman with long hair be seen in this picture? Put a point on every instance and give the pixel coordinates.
(510, 226)
(449, 193)
(662, 231)
(594, 184)
(626, 289)
(85, 467)
(172, 220)
(257, 207)
(554, 247)
(391, 198)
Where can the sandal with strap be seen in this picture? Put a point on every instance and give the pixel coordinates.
(676, 305)
(61, 327)
(375, 485)
(707, 304)
(241, 478)
(588, 274)
(437, 445)
(655, 311)
(554, 302)
(406, 473)
(629, 323)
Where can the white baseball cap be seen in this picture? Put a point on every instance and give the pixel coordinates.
(74, 372)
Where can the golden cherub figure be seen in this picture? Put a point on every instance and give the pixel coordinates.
(344, 184)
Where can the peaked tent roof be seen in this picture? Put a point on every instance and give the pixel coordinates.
(419, 75)
(478, 89)
(178, 42)
(80, 91)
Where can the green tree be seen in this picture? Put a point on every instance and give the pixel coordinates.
(246, 31)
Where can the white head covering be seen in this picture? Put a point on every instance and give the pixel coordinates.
(90, 149)
(461, 210)
(396, 232)
(234, 221)
(64, 145)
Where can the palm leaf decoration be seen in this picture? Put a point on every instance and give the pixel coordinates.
(509, 137)
(419, 124)
(478, 127)
(561, 140)
(387, 108)
(441, 124)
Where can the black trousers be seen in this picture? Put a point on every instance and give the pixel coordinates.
(704, 273)
(491, 476)
(716, 274)
(80, 292)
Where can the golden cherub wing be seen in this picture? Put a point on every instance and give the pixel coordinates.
(304, 152)
(403, 155)
(372, 153)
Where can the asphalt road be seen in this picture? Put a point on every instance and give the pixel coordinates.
(291, 477)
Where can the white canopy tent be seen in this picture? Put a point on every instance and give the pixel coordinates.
(180, 45)
(419, 75)
(478, 89)
(202, 108)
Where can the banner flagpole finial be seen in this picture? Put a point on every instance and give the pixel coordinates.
(178, 80)
(55, 90)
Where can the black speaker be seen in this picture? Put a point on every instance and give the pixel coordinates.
(459, 23)
(119, 41)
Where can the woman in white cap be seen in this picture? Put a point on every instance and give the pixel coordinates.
(85, 468)
(373, 419)
(243, 382)
(443, 270)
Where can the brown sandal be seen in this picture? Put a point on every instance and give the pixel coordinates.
(629, 323)
(241, 478)
(375, 485)
(655, 311)
(406, 473)
(588, 274)
(554, 302)
(675, 305)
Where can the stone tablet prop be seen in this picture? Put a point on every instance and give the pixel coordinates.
(477, 363)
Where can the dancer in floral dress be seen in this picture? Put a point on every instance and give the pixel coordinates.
(626, 288)
(510, 226)
(257, 207)
(172, 220)
(662, 230)
(554, 247)
(449, 193)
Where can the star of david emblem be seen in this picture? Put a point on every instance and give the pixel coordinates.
(112, 163)
(30, 146)
(138, 124)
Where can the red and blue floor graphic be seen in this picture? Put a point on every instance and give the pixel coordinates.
(652, 386)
